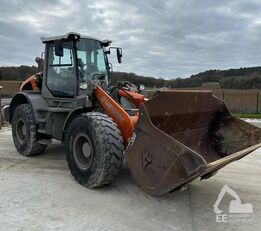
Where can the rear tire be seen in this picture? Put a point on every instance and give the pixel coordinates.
(94, 149)
(24, 131)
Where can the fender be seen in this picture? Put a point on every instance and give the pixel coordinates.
(19, 98)
(72, 115)
(29, 84)
(36, 101)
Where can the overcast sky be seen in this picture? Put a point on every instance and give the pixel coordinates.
(159, 38)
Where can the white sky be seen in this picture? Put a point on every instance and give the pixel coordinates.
(159, 38)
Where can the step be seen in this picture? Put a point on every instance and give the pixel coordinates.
(44, 141)
(43, 131)
(54, 109)
(42, 120)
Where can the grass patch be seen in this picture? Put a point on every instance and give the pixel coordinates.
(247, 115)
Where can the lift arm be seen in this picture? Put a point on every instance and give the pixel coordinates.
(125, 122)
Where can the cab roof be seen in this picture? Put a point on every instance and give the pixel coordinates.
(75, 35)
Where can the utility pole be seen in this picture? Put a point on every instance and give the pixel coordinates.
(0, 107)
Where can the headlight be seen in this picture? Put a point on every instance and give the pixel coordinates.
(83, 86)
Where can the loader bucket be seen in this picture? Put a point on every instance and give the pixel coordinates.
(183, 135)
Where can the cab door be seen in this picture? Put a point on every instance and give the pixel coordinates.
(60, 78)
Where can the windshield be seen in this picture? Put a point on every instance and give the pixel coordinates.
(91, 59)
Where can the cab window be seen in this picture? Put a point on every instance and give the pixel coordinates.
(61, 72)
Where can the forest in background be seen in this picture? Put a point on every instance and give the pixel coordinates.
(242, 78)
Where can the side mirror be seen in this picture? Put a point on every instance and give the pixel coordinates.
(37, 60)
(58, 45)
(119, 54)
(40, 62)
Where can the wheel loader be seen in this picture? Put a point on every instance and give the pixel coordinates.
(167, 141)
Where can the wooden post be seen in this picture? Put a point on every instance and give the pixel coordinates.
(0, 107)
(257, 102)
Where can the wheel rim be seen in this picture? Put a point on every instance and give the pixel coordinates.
(21, 130)
(83, 151)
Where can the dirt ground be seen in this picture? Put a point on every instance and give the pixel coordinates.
(39, 193)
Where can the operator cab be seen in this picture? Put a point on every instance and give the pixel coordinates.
(72, 62)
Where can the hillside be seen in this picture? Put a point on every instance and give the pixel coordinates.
(17, 73)
(242, 78)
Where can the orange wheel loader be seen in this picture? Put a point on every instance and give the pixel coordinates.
(167, 141)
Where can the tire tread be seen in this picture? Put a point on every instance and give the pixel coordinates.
(112, 141)
(34, 147)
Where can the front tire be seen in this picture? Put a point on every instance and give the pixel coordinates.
(94, 149)
(24, 131)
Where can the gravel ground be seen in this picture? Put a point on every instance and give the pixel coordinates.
(39, 193)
